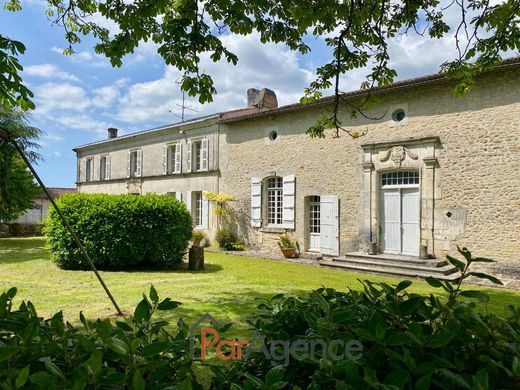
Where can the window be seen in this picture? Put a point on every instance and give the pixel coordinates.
(275, 201)
(197, 208)
(400, 178)
(135, 161)
(104, 168)
(314, 214)
(173, 159)
(198, 155)
(89, 165)
(398, 115)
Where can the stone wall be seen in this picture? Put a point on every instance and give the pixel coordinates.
(476, 167)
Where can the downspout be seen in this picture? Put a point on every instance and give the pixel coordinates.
(433, 204)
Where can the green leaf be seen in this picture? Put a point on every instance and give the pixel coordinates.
(455, 378)
(7, 352)
(274, 375)
(440, 339)
(153, 294)
(118, 346)
(423, 383)
(22, 377)
(482, 297)
(322, 303)
(433, 282)
(142, 311)
(483, 260)
(481, 380)
(481, 275)
(456, 263)
(155, 348)
(395, 339)
(168, 304)
(94, 363)
(54, 369)
(138, 381)
(11, 293)
(403, 285)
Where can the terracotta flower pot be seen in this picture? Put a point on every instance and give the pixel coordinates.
(288, 252)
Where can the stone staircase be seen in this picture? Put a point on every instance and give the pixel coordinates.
(395, 265)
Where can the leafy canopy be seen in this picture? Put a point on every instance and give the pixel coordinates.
(17, 186)
(358, 33)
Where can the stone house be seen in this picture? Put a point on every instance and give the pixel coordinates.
(432, 171)
(30, 222)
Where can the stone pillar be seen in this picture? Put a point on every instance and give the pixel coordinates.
(196, 258)
(368, 234)
(428, 204)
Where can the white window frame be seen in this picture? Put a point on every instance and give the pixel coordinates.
(135, 170)
(274, 201)
(173, 158)
(401, 179)
(198, 155)
(104, 171)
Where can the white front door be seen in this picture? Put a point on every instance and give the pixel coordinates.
(329, 225)
(313, 213)
(400, 221)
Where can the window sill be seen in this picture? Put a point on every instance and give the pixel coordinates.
(272, 229)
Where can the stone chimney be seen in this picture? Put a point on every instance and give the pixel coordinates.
(112, 133)
(265, 98)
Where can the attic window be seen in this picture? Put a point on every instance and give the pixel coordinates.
(398, 115)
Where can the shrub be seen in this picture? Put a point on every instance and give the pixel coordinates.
(226, 239)
(239, 245)
(409, 341)
(120, 231)
(128, 354)
(286, 242)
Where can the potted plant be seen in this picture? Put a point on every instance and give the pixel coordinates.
(196, 237)
(287, 245)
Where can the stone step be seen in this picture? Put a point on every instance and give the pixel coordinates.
(432, 266)
(393, 259)
(414, 273)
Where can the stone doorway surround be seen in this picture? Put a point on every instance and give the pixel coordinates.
(402, 154)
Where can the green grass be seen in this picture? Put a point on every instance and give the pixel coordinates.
(227, 289)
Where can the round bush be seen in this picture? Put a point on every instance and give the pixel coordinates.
(120, 231)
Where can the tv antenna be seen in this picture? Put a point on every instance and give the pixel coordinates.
(182, 106)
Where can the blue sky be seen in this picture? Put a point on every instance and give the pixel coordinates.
(78, 97)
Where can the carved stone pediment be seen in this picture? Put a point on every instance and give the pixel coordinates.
(398, 154)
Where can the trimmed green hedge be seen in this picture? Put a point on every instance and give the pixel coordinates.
(120, 231)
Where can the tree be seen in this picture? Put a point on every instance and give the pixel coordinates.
(357, 32)
(17, 186)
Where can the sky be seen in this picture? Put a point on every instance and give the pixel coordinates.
(78, 97)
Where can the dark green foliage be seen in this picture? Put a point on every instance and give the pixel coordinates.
(228, 241)
(17, 186)
(53, 354)
(409, 341)
(120, 231)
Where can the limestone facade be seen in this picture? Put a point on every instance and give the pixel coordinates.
(463, 154)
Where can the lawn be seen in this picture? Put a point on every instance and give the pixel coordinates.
(227, 289)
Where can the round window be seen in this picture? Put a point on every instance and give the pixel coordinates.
(398, 115)
(273, 135)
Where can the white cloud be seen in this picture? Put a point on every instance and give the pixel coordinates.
(272, 66)
(86, 58)
(56, 96)
(104, 97)
(49, 71)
